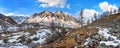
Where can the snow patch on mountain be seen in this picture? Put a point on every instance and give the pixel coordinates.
(19, 19)
(56, 17)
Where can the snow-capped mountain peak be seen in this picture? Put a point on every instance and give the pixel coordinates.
(47, 16)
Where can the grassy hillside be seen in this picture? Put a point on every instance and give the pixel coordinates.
(107, 21)
(74, 38)
(78, 37)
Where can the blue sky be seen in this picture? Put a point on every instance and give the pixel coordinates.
(29, 7)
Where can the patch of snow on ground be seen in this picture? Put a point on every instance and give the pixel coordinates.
(22, 46)
(14, 28)
(3, 35)
(13, 45)
(104, 32)
(17, 45)
(109, 43)
(1, 42)
(0, 27)
(41, 35)
(2, 47)
(88, 40)
(14, 38)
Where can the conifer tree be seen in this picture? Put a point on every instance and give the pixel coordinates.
(81, 17)
(95, 16)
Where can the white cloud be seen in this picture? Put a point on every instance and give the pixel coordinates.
(53, 3)
(9, 14)
(12, 14)
(89, 13)
(104, 6)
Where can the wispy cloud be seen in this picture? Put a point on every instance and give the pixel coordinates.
(13, 14)
(22, 15)
(54, 3)
(9, 14)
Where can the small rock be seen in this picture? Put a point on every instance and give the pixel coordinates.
(110, 39)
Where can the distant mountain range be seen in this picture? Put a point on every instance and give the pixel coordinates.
(6, 22)
(7, 19)
(19, 19)
(45, 17)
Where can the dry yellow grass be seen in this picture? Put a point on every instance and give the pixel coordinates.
(67, 43)
(70, 40)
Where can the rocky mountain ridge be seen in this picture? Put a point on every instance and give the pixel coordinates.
(7, 19)
(42, 18)
(6, 22)
(56, 17)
